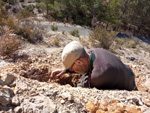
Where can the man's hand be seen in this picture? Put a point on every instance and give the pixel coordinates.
(84, 81)
(57, 73)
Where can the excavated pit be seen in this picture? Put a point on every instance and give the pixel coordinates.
(43, 75)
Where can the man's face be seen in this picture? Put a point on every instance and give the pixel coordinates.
(79, 67)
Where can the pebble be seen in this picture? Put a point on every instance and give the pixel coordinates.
(8, 78)
(5, 98)
(62, 101)
(18, 109)
(15, 101)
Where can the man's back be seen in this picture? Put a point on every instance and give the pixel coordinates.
(109, 72)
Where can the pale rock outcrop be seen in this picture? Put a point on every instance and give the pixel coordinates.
(8, 78)
(6, 94)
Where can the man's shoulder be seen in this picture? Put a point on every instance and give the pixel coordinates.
(97, 50)
(94, 49)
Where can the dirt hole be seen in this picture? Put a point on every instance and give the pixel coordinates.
(43, 73)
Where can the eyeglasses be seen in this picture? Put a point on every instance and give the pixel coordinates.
(71, 66)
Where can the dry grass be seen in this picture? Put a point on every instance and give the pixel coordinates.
(8, 45)
(10, 22)
(129, 43)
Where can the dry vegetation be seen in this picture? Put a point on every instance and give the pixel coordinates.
(8, 45)
(11, 30)
(54, 28)
(129, 43)
(74, 33)
(101, 37)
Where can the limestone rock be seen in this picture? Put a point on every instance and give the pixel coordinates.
(8, 90)
(147, 83)
(4, 98)
(15, 100)
(6, 94)
(1, 82)
(147, 111)
(8, 78)
(18, 109)
(146, 100)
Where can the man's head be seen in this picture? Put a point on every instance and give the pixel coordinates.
(75, 58)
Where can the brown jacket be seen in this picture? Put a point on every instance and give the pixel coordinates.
(106, 71)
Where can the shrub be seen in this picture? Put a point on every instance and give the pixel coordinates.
(63, 32)
(29, 34)
(54, 28)
(30, 8)
(24, 32)
(10, 22)
(1, 30)
(8, 45)
(25, 13)
(102, 38)
(1, 19)
(3, 14)
(129, 43)
(56, 42)
(21, 0)
(75, 33)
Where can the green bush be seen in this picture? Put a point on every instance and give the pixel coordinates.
(74, 33)
(21, 0)
(63, 32)
(102, 38)
(56, 42)
(3, 14)
(54, 28)
(30, 8)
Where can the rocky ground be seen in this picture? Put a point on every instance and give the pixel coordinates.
(26, 86)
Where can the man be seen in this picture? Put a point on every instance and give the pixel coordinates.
(99, 68)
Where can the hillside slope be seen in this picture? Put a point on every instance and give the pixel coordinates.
(26, 86)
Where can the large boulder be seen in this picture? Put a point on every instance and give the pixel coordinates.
(6, 94)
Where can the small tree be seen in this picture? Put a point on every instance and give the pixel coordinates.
(112, 15)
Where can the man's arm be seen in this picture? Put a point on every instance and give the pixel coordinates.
(57, 73)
